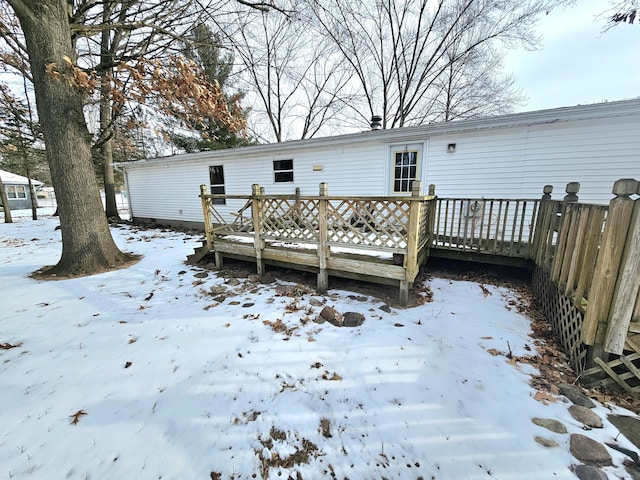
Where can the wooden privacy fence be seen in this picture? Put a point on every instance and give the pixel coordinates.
(587, 277)
(380, 239)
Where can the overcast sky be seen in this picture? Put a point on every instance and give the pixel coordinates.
(578, 63)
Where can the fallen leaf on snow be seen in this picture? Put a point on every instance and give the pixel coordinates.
(545, 397)
(76, 416)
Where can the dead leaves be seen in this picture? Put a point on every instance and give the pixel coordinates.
(545, 397)
(485, 290)
(9, 346)
(73, 75)
(279, 327)
(75, 418)
(334, 377)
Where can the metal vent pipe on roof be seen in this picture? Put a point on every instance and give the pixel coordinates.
(376, 122)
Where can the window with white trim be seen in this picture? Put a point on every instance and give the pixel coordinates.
(216, 181)
(405, 169)
(16, 191)
(283, 171)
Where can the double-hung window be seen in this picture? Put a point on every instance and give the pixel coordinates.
(283, 171)
(16, 191)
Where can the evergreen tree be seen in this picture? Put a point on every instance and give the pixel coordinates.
(217, 64)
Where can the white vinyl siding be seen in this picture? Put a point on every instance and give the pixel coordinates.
(506, 158)
(518, 162)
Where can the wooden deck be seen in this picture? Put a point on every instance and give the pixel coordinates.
(378, 239)
(585, 258)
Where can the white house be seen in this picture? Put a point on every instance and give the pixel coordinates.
(510, 156)
(17, 188)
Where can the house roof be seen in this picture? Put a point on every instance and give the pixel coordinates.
(580, 112)
(9, 178)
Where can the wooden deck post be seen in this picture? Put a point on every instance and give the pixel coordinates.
(208, 228)
(608, 264)
(628, 282)
(411, 258)
(323, 249)
(256, 212)
(431, 211)
(543, 222)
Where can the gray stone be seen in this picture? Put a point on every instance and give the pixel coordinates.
(385, 308)
(352, 319)
(233, 282)
(219, 298)
(314, 302)
(545, 442)
(218, 289)
(253, 277)
(328, 314)
(201, 275)
(550, 424)
(628, 426)
(576, 396)
(267, 278)
(589, 451)
(589, 472)
(586, 416)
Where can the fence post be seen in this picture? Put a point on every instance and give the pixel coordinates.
(208, 228)
(543, 226)
(565, 227)
(256, 212)
(628, 282)
(323, 249)
(411, 258)
(431, 224)
(571, 190)
(608, 262)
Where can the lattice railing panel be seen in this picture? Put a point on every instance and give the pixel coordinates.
(241, 223)
(289, 219)
(565, 318)
(369, 223)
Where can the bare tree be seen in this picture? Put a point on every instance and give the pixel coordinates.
(624, 11)
(299, 84)
(51, 30)
(403, 51)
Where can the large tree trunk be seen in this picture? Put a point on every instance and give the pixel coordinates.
(87, 244)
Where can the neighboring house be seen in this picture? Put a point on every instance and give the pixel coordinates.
(17, 188)
(509, 156)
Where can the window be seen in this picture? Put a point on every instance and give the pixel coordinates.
(216, 179)
(405, 169)
(16, 191)
(283, 170)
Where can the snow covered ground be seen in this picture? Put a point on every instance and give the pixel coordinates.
(148, 373)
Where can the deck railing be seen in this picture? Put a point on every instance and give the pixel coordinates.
(493, 226)
(326, 226)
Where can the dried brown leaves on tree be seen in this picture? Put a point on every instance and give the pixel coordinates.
(177, 88)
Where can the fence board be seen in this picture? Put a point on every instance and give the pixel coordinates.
(628, 284)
